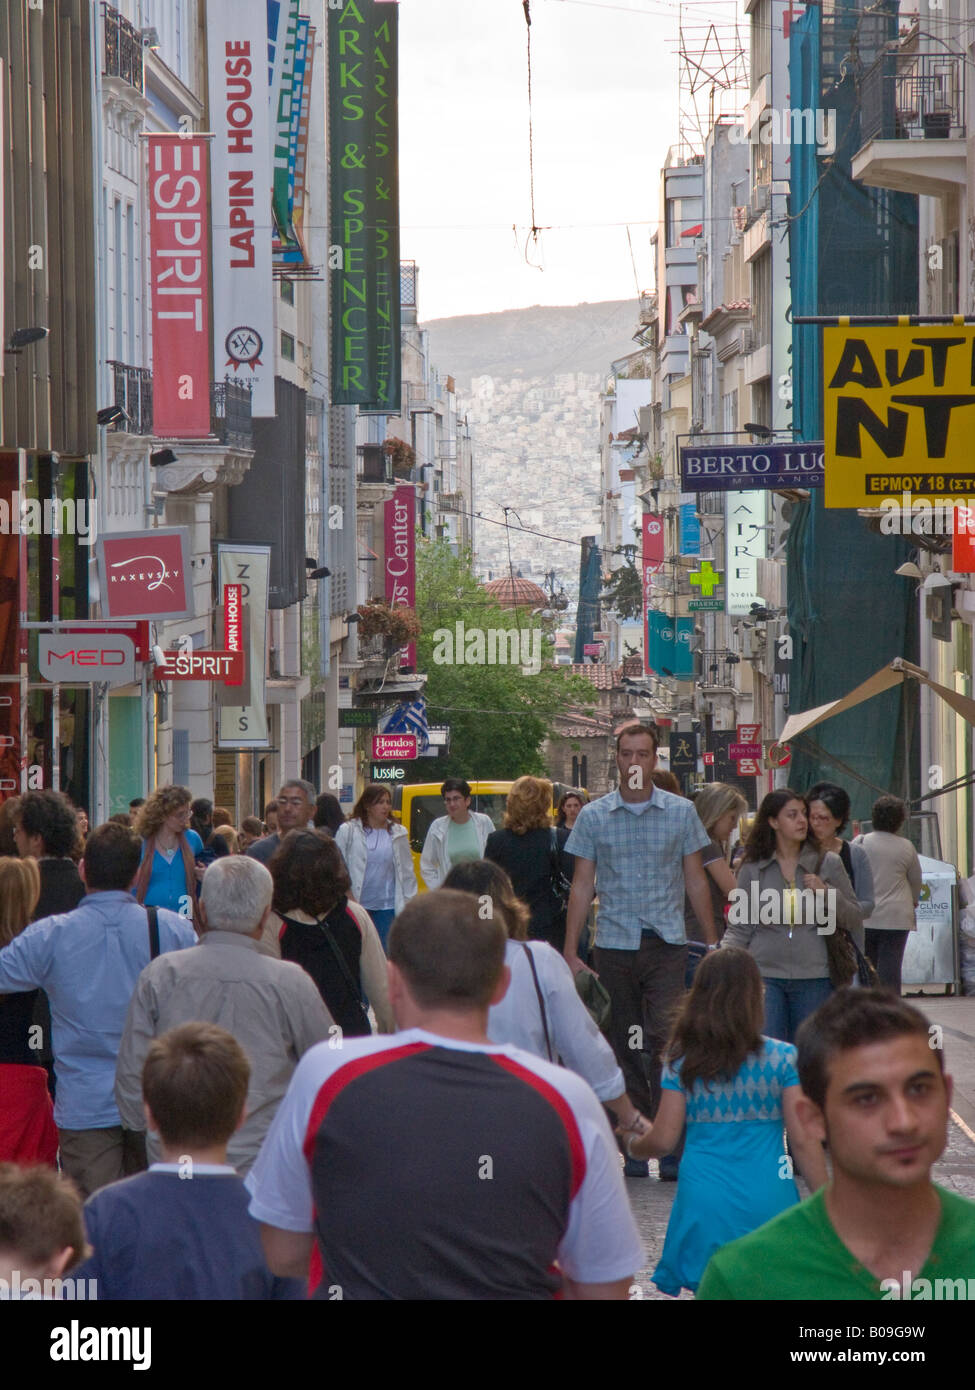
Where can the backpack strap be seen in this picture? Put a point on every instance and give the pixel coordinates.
(541, 1000)
(153, 915)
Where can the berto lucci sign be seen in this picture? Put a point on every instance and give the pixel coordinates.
(724, 468)
(400, 536)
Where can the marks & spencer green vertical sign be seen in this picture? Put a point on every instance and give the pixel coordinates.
(364, 204)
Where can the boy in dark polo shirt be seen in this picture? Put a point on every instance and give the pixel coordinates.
(875, 1090)
(182, 1230)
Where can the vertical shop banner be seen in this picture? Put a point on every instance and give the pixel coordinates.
(399, 519)
(179, 235)
(364, 205)
(690, 529)
(745, 545)
(243, 575)
(282, 98)
(652, 563)
(240, 173)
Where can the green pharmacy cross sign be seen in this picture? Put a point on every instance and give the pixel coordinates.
(706, 579)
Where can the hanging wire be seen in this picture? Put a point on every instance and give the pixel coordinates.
(535, 228)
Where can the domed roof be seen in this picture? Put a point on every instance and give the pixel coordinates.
(516, 593)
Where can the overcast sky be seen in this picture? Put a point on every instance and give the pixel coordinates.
(605, 111)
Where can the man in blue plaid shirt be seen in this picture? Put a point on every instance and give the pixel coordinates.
(644, 845)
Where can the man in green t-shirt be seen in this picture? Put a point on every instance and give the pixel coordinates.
(875, 1089)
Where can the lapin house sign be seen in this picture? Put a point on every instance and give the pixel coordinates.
(179, 235)
(400, 565)
(898, 410)
(243, 303)
(363, 255)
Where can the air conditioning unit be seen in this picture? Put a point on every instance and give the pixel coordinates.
(760, 199)
(746, 340)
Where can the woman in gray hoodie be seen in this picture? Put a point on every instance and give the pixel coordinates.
(782, 924)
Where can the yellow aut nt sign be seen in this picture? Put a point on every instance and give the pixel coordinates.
(899, 413)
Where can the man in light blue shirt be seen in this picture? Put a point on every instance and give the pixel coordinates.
(87, 961)
(641, 846)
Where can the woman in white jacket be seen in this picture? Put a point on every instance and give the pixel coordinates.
(377, 855)
(455, 838)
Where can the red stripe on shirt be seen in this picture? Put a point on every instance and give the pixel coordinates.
(561, 1106)
(342, 1077)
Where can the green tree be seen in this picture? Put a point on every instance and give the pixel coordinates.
(498, 716)
(624, 593)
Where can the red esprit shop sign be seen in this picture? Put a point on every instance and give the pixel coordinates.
(179, 233)
(202, 666)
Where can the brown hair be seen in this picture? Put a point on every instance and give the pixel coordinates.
(228, 834)
(195, 1083)
(580, 796)
(720, 1019)
(308, 872)
(163, 802)
(252, 825)
(853, 1018)
(220, 816)
(637, 728)
(371, 794)
(40, 1215)
(449, 956)
(666, 781)
(20, 888)
(529, 805)
(9, 810)
(485, 879)
(111, 858)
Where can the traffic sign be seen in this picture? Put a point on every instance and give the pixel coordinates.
(705, 605)
(395, 747)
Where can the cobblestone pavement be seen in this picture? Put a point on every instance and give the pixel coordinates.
(651, 1199)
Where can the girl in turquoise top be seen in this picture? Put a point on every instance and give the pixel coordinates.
(168, 875)
(736, 1091)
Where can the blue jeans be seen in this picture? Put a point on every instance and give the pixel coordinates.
(788, 1002)
(383, 918)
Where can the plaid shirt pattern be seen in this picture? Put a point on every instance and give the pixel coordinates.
(639, 865)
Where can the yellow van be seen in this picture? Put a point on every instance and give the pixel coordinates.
(416, 806)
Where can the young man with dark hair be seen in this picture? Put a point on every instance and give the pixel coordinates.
(46, 829)
(87, 962)
(182, 1230)
(456, 838)
(41, 1232)
(511, 1164)
(644, 845)
(875, 1090)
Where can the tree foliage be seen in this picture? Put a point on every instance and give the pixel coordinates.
(498, 716)
(623, 593)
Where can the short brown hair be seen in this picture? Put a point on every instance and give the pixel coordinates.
(636, 728)
(309, 873)
(485, 879)
(195, 1083)
(40, 1215)
(666, 780)
(529, 805)
(853, 1018)
(220, 816)
(112, 855)
(449, 956)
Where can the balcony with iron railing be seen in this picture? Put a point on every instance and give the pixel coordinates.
(133, 394)
(230, 405)
(123, 48)
(715, 669)
(907, 98)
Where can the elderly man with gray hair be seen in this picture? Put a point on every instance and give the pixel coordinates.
(271, 1007)
(296, 811)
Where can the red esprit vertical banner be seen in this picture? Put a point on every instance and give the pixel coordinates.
(400, 563)
(652, 562)
(179, 233)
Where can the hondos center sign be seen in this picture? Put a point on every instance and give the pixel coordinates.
(899, 413)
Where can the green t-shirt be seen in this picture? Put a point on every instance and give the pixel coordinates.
(798, 1255)
(462, 842)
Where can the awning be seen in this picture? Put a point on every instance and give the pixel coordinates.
(899, 670)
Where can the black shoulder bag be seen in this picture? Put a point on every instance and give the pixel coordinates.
(153, 914)
(355, 993)
(541, 1000)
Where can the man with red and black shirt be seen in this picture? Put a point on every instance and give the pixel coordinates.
(433, 1164)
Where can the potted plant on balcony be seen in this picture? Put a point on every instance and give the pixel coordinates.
(402, 456)
(397, 627)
